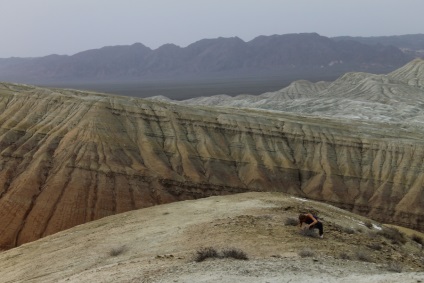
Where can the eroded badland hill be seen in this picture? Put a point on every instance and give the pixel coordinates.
(159, 244)
(70, 157)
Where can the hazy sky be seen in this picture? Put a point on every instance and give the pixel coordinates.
(42, 27)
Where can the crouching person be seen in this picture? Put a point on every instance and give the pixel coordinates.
(311, 222)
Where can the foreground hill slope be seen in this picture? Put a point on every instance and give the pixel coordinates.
(159, 244)
(68, 157)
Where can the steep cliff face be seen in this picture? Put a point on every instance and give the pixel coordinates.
(69, 157)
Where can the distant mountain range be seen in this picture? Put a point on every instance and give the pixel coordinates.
(221, 57)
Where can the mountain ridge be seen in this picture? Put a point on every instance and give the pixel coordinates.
(220, 57)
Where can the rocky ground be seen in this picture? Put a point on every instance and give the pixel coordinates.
(161, 243)
(286, 269)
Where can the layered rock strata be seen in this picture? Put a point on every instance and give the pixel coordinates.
(69, 157)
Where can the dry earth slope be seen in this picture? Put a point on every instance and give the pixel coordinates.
(69, 157)
(159, 244)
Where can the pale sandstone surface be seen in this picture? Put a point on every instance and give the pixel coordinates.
(68, 157)
(397, 97)
(159, 244)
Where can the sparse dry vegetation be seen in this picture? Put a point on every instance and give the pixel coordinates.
(375, 246)
(372, 234)
(210, 252)
(205, 253)
(306, 252)
(395, 267)
(117, 251)
(393, 234)
(417, 239)
(363, 256)
(291, 221)
(344, 255)
(234, 253)
(348, 230)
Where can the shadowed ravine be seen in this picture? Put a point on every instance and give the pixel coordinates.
(69, 157)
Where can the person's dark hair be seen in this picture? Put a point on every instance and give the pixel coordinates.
(302, 218)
